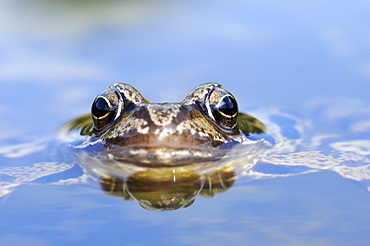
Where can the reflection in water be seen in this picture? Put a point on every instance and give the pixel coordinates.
(161, 189)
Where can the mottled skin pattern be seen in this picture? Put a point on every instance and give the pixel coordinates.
(201, 127)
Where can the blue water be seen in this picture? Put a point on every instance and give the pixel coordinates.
(300, 66)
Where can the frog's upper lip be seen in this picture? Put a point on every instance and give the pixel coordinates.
(174, 141)
(160, 145)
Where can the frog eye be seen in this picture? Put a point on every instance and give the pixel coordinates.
(222, 107)
(105, 108)
(216, 103)
(111, 103)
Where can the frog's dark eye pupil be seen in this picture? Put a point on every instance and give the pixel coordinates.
(227, 106)
(222, 108)
(101, 107)
(104, 109)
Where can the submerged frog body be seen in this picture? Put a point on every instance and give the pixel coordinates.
(204, 126)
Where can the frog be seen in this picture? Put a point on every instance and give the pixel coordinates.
(180, 148)
(201, 127)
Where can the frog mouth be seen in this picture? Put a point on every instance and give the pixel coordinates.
(163, 153)
(153, 153)
(160, 151)
(119, 154)
(173, 141)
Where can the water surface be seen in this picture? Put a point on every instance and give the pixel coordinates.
(302, 68)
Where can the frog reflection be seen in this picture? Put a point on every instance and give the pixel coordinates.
(139, 148)
(163, 189)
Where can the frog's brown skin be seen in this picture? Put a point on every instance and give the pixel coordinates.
(178, 148)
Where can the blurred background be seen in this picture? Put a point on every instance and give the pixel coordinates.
(55, 56)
